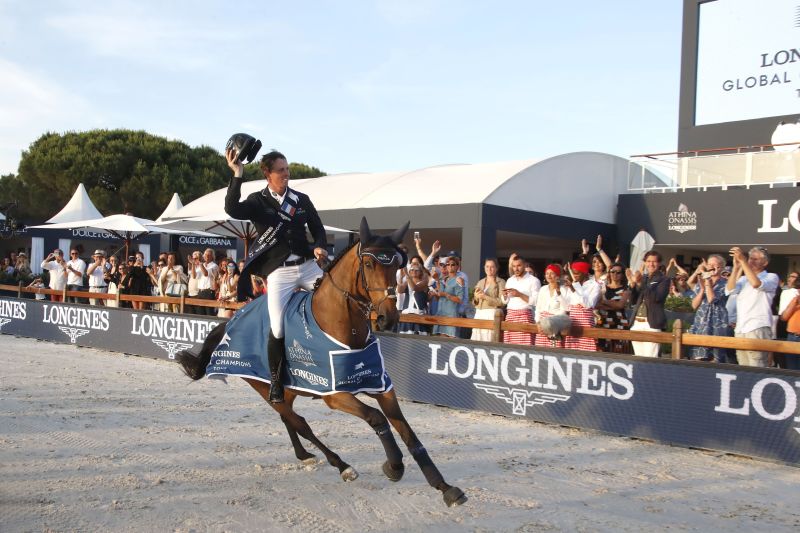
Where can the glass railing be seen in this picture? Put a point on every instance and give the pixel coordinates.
(670, 171)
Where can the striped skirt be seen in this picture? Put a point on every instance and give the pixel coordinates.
(518, 316)
(543, 340)
(580, 316)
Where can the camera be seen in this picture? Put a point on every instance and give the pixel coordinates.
(706, 274)
(416, 235)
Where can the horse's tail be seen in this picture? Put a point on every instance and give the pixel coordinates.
(195, 365)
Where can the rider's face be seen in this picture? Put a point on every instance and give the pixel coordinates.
(278, 176)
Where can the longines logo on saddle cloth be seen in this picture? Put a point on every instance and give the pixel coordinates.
(315, 363)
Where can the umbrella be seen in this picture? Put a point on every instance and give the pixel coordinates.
(220, 223)
(641, 244)
(125, 227)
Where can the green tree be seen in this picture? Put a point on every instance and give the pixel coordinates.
(123, 171)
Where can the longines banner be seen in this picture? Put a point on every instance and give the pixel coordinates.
(723, 407)
(152, 334)
(720, 407)
(761, 215)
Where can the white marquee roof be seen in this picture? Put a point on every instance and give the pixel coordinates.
(79, 207)
(173, 206)
(581, 184)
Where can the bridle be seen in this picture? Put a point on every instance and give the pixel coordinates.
(385, 257)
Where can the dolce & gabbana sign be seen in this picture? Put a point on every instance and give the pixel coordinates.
(206, 241)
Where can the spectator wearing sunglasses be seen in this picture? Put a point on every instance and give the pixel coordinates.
(76, 267)
(450, 290)
(754, 288)
(611, 307)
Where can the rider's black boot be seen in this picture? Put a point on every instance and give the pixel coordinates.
(276, 356)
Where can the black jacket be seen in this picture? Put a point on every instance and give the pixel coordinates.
(652, 291)
(263, 211)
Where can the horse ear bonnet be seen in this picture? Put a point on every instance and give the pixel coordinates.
(246, 146)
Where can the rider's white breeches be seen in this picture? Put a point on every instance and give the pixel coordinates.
(281, 283)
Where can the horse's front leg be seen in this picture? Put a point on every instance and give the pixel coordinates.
(346, 402)
(391, 408)
(292, 420)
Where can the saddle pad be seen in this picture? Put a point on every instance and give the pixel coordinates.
(315, 362)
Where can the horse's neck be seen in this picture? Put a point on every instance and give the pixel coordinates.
(337, 315)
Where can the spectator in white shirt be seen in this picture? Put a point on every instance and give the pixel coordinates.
(57, 267)
(754, 288)
(206, 272)
(520, 293)
(96, 273)
(582, 297)
(76, 267)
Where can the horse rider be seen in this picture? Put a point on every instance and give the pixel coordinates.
(281, 253)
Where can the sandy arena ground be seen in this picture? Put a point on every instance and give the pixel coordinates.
(100, 441)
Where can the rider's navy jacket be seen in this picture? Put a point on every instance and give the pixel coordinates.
(281, 229)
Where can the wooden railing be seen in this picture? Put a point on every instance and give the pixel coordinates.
(676, 338)
(182, 302)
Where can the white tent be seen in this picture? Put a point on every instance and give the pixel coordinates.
(79, 207)
(175, 204)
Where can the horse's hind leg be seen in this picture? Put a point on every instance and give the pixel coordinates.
(301, 427)
(346, 402)
(391, 407)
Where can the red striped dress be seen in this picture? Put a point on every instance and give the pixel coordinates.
(544, 340)
(581, 316)
(518, 316)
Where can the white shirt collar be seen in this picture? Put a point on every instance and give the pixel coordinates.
(278, 197)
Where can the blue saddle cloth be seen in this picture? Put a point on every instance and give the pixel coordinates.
(315, 362)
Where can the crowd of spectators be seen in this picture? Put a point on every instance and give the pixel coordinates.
(205, 276)
(742, 299)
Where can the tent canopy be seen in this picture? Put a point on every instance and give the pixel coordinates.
(174, 205)
(79, 207)
(582, 185)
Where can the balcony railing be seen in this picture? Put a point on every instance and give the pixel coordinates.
(692, 170)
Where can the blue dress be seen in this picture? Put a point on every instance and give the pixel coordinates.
(711, 318)
(448, 307)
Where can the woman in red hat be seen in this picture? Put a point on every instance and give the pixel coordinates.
(582, 298)
(550, 301)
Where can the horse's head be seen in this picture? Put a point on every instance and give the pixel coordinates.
(380, 258)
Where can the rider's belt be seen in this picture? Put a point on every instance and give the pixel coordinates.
(294, 262)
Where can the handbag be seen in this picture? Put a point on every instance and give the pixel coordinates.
(175, 289)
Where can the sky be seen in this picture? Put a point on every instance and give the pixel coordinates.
(348, 85)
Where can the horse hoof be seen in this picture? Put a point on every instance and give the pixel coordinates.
(309, 460)
(349, 474)
(454, 496)
(394, 474)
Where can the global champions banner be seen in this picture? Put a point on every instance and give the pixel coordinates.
(723, 407)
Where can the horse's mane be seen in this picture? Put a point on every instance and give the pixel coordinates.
(338, 258)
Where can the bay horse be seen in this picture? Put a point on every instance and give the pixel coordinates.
(360, 280)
